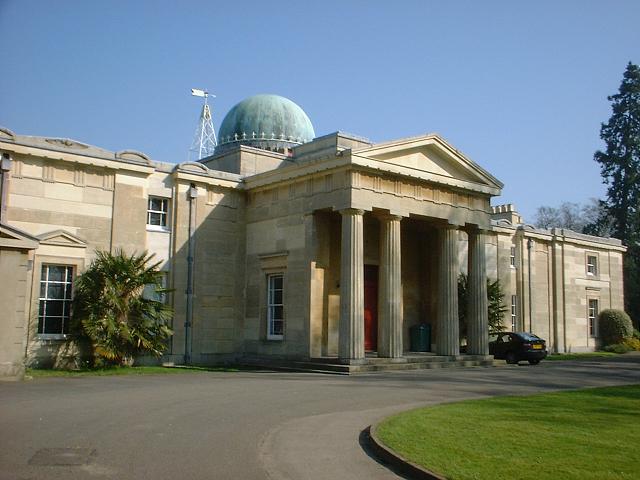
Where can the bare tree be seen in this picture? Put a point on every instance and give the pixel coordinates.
(589, 217)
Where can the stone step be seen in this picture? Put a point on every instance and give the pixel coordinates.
(378, 365)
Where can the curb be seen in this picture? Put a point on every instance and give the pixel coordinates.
(399, 463)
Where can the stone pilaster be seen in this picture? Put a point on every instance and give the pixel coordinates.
(477, 304)
(351, 341)
(447, 336)
(390, 289)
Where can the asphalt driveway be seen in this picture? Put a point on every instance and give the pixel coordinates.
(246, 425)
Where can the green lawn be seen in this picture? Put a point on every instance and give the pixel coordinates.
(151, 370)
(580, 356)
(582, 435)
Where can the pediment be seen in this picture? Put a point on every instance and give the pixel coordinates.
(7, 134)
(430, 157)
(12, 237)
(61, 238)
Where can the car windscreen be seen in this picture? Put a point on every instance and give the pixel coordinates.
(529, 336)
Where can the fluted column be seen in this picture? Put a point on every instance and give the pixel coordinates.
(477, 304)
(390, 289)
(351, 341)
(447, 340)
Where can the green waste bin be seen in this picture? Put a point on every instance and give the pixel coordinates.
(421, 338)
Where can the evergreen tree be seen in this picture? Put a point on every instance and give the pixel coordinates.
(620, 169)
(495, 305)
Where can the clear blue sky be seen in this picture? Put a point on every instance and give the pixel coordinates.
(520, 87)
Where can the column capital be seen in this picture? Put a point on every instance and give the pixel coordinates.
(477, 230)
(448, 226)
(351, 211)
(388, 217)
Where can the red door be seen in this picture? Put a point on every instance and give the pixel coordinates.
(370, 307)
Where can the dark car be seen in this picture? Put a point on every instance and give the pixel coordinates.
(516, 346)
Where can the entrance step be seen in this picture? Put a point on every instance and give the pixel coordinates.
(410, 361)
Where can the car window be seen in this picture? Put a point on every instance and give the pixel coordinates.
(529, 336)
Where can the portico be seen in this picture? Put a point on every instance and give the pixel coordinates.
(396, 245)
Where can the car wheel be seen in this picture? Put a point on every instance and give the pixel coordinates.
(511, 358)
(534, 362)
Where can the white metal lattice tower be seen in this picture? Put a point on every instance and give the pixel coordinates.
(204, 140)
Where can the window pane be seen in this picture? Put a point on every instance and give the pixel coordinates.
(277, 313)
(54, 308)
(277, 297)
(55, 291)
(277, 282)
(69, 274)
(155, 219)
(155, 204)
(53, 325)
(278, 328)
(43, 289)
(57, 273)
(41, 324)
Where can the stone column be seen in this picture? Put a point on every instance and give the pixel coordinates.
(351, 340)
(447, 340)
(477, 304)
(390, 289)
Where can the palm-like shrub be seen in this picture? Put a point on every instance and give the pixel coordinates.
(614, 326)
(110, 312)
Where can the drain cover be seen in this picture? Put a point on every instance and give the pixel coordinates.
(61, 456)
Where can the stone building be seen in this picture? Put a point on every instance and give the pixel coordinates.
(283, 245)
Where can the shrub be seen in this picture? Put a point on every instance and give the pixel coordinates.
(617, 348)
(633, 343)
(614, 326)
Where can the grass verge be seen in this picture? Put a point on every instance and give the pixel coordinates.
(580, 356)
(585, 434)
(145, 370)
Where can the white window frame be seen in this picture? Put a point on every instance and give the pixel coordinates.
(592, 267)
(163, 213)
(514, 312)
(512, 257)
(273, 307)
(593, 308)
(66, 300)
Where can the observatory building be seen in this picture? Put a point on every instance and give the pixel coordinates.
(284, 246)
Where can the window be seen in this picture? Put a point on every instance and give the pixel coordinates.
(275, 307)
(151, 292)
(157, 213)
(514, 312)
(512, 257)
(592, 265)
(55, 299)
(592, 316)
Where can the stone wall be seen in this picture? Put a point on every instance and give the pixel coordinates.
(15, 271)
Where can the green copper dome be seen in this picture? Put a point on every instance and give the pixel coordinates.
(265, 121)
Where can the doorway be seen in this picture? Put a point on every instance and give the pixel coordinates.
(371, 307)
